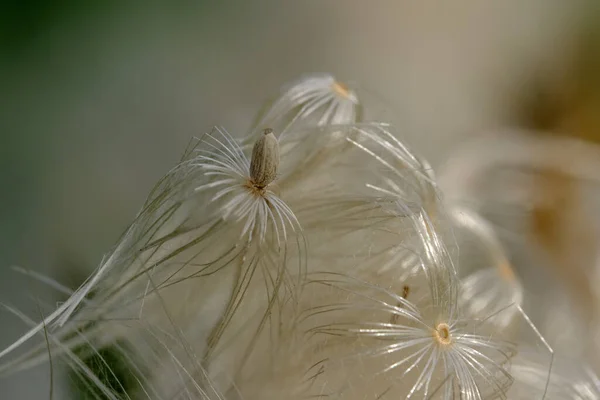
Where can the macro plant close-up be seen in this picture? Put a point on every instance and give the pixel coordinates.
(303, 235)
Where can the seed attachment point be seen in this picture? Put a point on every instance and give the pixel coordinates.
(442, 335)
(341, 89)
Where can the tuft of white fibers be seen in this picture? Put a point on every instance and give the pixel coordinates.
(362, 204)
(314, 258)
(206, 236)
(312, 100)
(357, 340)
(362, 212)
(379, 316)
(245, 184)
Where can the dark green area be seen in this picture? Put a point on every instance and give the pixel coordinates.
(23, 22)
(111, 368)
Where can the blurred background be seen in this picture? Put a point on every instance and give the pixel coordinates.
(99, 99)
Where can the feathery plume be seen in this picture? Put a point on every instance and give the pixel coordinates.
(312, 259)
(245, 185)
(353, 338)
(311, 101)
(371, 343)
(210, 230)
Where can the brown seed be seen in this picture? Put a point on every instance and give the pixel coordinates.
(265, 160)
(405, 291)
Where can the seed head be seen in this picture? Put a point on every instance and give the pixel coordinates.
(265, 160)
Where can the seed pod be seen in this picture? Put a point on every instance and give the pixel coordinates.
(265, 159)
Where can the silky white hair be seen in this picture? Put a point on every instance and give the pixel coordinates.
(341, 278)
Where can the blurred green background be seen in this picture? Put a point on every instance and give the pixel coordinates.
(98, 100)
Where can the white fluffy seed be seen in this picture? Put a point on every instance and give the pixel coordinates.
(265, 159)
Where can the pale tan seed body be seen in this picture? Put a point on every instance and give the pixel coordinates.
(265, 160)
